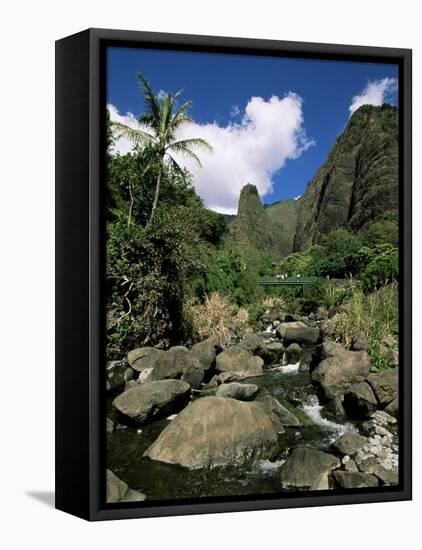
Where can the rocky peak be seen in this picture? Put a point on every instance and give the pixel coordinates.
(358, 183)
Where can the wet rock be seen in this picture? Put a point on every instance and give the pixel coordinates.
(293, 354)
(244, 392)
(239, 361)
(282, 327)
(215, 431)
(359, 401)
(144, 358)
(119, 491)
(307, 468)
(338, 373)
(286, 417)
(152, 400)
(118, 373)
(385, 385)
(354, 480)
(349, 443)
(359, 341)
(306, 336)
(275, 350)
(205, 352)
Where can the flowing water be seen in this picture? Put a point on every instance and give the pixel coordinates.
(125, 447)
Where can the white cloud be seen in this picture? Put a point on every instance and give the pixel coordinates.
(271, 132)
(235, 110)
(376, 92)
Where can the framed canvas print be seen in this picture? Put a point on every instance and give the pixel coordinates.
(233, 274)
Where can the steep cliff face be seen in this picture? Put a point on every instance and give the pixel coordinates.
(253, 226)
(284, 214)
(358, 183)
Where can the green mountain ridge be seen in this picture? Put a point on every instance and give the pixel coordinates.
(358, 184)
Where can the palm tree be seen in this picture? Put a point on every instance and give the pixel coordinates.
(162, 120)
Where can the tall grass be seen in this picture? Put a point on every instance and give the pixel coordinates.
(216, 316)
(376, 315)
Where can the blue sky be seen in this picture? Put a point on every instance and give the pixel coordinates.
(221, 88)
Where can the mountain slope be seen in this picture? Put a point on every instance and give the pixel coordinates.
(358, 183)
(285, 213)
(253, 226)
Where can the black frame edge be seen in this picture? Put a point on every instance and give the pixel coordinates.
(72, 418)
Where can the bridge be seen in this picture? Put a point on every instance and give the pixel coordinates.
(290, 281)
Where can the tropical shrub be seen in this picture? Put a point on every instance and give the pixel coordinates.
(376, 315)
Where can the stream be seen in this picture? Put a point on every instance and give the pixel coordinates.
(125, 447)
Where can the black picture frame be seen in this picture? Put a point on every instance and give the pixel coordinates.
(80, 139)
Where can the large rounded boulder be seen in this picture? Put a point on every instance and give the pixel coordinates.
(336, 374)
(239, 361)
(307, 468)
(235, 390)
(152, 400)
(215, 431)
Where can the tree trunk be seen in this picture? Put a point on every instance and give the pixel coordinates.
(157, 189)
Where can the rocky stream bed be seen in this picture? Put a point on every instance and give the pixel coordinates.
(280, 408)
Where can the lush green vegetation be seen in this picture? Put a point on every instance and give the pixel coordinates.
(376, 315)
(166, 253)
(174, 274)
(371, 256)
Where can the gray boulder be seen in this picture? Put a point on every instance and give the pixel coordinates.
(338, 373)
(275, 351)
(322, 313)
(214, 431)
(349, 443)
(307, 468)
(119, 491)
(152, 400)
(359, 401)
(239, 361)
(255, 345)
(286, 417)
(205, 353)
(331, 349)
(282, 327)
(306, 336)
(385, 385)
(293, 354)
(174, 363)
(359, 341)
(144, 358)
(244, 392)
(355, 480)
(117, 374)
(393, 407)
(194, 376)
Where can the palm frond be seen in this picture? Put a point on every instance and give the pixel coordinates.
(136, 135)
(179, 148)
(185, 145)
(176, 167)
(151, 100)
